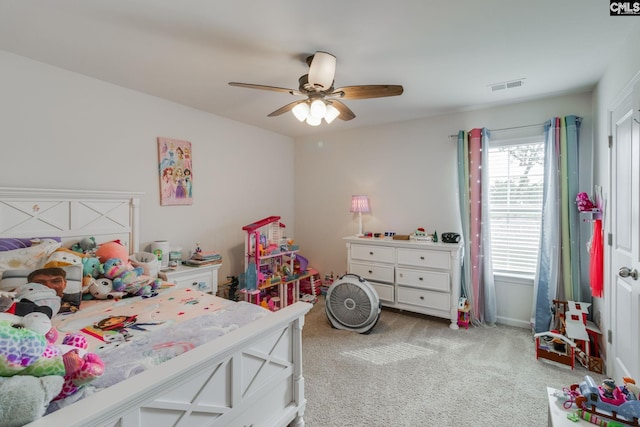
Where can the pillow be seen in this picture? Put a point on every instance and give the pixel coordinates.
(71, 295)
(10, 243)
(11, 279)
(29, 258)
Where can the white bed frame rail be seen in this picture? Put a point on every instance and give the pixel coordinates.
(249, 377)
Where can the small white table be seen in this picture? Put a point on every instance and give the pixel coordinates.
(204, 278)
(558, 415)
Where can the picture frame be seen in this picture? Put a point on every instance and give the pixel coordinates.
(175, 169)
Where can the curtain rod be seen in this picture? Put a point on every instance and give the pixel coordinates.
(504, 129)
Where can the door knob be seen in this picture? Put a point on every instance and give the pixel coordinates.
(626, 272)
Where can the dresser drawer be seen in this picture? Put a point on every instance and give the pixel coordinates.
(424, 298)
(424, 258)
(385, 292)
(376, 272)
(434, 280)
(373, 253)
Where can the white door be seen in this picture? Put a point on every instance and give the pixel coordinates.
(624, 298)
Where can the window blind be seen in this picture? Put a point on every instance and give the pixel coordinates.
(516, 171)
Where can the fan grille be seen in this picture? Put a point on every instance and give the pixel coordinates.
(350, 304)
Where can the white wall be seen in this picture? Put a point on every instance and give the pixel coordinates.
(619, 73)
(409, 172)
(65, 130)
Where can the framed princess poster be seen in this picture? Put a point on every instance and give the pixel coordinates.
(176, 172)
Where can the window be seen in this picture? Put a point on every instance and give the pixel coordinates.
(516, 176)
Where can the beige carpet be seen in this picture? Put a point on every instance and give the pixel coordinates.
(413, 370)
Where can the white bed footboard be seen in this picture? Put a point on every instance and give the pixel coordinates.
(249, 377)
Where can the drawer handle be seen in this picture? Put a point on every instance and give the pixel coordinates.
(370, 253)
(422, 258)
(420, 278)
(370, 271)
(422, 298)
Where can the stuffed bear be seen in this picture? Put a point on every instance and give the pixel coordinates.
(24, 399)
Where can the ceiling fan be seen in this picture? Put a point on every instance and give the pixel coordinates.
(322, 100)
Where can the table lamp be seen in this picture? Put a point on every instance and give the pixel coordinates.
(360, 204)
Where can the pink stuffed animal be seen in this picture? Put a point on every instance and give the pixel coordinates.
(81, 367)
(584, 203)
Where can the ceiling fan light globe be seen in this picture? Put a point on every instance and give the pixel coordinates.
(314, 121)
(318, 109)
(301, 111)
(332, 113)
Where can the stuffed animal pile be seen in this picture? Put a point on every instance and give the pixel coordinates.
(33, 369)
(108, 274)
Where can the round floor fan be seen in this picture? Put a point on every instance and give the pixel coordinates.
(352, 304)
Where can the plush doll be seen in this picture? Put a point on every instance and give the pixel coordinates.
(35, 297)
(110, 250)
(91, 266)
(24, 346)
(81, 367)
(85, 246)
(91, 269)
(125, 279)
(63, 257)
(102, 288)
(584, 203)
(24, 399)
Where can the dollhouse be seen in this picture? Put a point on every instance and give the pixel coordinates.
(270, 265)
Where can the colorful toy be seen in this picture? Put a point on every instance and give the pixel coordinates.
(607, 401)
(81, 367)
(112, 250)
(584, 203)
(91, 266)
(85, 246)
(102, 288)
(24, 348)
(124, 279)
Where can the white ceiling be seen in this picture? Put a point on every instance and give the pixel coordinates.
(445, 54)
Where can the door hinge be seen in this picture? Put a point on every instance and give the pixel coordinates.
(609, 239)
(610, 141)
(609, 336)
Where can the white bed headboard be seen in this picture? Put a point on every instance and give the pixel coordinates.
(70, 215)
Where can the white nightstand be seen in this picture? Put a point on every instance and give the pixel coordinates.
(203, 278)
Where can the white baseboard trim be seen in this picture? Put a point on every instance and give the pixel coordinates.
(519, 323)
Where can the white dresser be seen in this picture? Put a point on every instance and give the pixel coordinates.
(204, 278)
(423, 277)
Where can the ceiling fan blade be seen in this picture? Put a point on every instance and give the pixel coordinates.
(286, 108)
(345, 112)
(367, 91)
(263, 87)
(322, 70)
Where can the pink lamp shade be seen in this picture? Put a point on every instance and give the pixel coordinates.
(360, 204)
